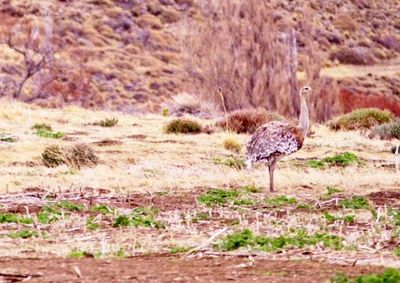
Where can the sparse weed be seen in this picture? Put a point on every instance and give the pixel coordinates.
(7, 138)
(49, 134)
(232, 161)
(201, 216)
(330, 218)
(103, 209)
(183, 126)
(92, 223)
(317, 164)
(356, 202)
(165, 112)
(121, 253)
(305, 206)
(396, 251)
(232, 144)
(246, 238)
(75, 253)
(281, 201)
(390, 275)
(107, 123)
(42, 126)
(252, 189)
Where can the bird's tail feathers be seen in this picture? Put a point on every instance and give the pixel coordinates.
(249, 164)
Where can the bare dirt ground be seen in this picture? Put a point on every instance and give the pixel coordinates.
(166, 268)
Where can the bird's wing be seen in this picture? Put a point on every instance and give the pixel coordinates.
(273, 138)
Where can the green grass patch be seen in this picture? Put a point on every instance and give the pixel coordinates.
(139, 217)
(178, 250)
(342, 160)
(53, 212)
(356, 202)
(183, 126)
(306, 206)
(281, 201)
(23, 234)
(360, 119)
(224, 197)
(390, 275)
(330, 218)
(14, 218)
(301, 239)
(49, 134)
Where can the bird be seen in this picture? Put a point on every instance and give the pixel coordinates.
(274, 140)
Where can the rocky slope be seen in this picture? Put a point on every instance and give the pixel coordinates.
(127, 55)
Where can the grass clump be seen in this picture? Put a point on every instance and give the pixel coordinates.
(247, 120)
(81, 155)
(231, 161)
(107, 123)
(365, 118)
(92, 223)
(165, 112)
(386, 131)
(232, 144)
(178, 250)
(53, 156)
(342, 160)
(281, 201)
(390, 275)
(139, 217)
(14, 218)
(23, 234)
(183, 126)
(52, 213)
(246, 238)
(356, 202)
(224, 197)
(42, 126)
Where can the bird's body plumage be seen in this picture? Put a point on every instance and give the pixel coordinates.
(272, 141)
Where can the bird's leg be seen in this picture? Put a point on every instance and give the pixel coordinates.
(271, 167)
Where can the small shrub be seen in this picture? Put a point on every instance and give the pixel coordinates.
(317, 164)
(92, 224)
(139, 217)
(81, 155)
(361, 119)
(390, 275)
(103, 209)
(386, 131)
(330, 218)
(232, 144)
(356, 202)
(78, 254)
(53, 156)
(183, 126)
(49, 214)
(107, 123)
(281, 201)
(42, 126)
(218, 197)
(248, 120)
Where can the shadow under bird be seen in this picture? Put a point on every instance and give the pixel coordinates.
(274, 140)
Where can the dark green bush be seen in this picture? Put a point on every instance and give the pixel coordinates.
(359, 119)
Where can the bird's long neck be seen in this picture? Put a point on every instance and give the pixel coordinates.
(304, 122)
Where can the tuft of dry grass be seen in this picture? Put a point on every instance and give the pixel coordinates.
(386, 131)
(53, 156)
(232, 144)
(81, 155)
(247, 120)
(183, 126)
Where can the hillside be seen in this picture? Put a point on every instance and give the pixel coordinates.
(127, 55)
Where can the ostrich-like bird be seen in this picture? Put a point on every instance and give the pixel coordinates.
(274, 140)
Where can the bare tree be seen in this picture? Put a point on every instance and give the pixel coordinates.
(36, 51)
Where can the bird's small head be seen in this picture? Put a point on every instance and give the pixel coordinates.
(306, 91)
